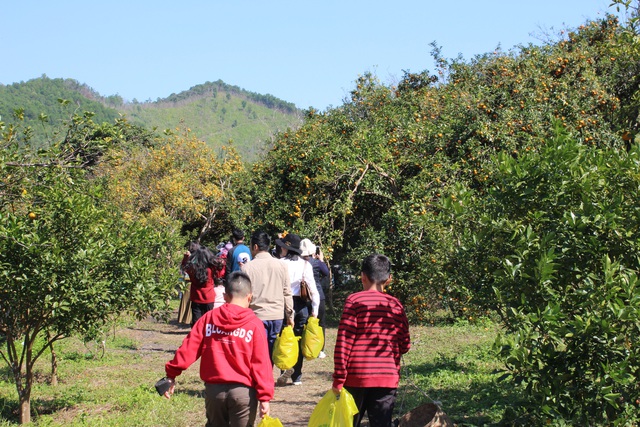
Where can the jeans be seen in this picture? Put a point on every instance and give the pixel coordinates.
(273, 328)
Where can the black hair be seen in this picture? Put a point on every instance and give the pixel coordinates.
(192, 246)
(377, 268)
(200, 260)
(291, 255)
(261, 239)
(238, 285)
(237, 234)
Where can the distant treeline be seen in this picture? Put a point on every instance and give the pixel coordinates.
(212, 89)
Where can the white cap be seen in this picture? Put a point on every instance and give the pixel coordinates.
(243, 258)
(307, 248)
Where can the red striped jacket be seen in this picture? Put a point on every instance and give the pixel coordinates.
(372, 336)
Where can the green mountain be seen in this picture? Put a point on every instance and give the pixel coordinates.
(40, 96)
(215, 112)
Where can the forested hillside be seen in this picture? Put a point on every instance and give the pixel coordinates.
(38, 99)
(216, 112)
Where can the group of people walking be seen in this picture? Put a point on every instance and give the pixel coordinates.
(266, 286)
(205, 273)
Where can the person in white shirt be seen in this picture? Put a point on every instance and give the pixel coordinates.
(298, 269)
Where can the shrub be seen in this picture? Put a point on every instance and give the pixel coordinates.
(559, 231)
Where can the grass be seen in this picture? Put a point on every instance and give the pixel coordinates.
(111, 390)
(452, 364)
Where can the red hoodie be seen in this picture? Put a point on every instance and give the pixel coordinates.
(232, 344)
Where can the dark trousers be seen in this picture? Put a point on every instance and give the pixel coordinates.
(233, 405)
(322, 321)
(301, 315)
(198, 310)
(377, 402)
(273, 328)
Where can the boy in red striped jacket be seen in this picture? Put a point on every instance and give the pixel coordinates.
(372, 336)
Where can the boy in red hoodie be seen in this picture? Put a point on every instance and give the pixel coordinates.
(235, 364)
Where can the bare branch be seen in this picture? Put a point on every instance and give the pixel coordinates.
(392, 180)
(355, 188)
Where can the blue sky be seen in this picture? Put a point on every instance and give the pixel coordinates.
(304, 52)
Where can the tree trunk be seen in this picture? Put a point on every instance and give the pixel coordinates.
(25, 407)
(22, 382)
(54, 361)
(330, 300)
(329, 296)
(54, 367)
(24, 389)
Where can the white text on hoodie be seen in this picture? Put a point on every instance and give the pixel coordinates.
(238, 332)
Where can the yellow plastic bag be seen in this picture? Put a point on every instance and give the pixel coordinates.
(285, 349)
(334, 411)
(267, 421)
(312, 339)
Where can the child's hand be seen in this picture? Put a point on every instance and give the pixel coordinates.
(264, 409)
(336, 391)
(169, 392)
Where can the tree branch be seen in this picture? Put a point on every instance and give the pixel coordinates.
(353, 192)
(392, 180)
(47, 345)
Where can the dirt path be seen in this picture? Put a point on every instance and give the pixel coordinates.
(292, 404)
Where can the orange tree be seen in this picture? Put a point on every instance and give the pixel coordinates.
(69, 263)
(554, 247)
(384, 171)
(179, 183)
(335, 177)
(507, 103)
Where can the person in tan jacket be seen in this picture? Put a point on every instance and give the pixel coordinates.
(272, 300)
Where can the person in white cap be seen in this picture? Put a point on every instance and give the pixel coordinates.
(313, 255)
